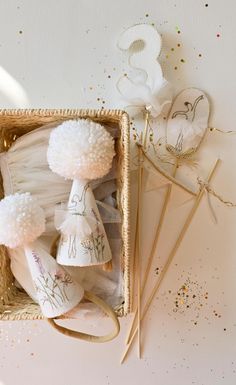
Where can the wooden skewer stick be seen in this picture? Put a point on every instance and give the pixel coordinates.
(134, 267)
(172, 254)
(138, 229)
(145, 131)
(153, 249)
(138, 249)
(143, 142)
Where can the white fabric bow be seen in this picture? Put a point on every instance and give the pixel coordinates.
(140, 95)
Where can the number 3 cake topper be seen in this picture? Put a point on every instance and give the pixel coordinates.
(153, 91)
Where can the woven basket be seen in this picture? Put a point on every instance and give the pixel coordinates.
(14, 303)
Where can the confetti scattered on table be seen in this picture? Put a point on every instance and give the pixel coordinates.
(191, 295)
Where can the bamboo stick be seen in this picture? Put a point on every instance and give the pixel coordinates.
(172, 254)
(138, 249)
(138, 226)
(154, 246)
(134, 265)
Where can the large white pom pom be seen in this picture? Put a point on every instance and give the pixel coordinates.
(22, 220)
(80, 149)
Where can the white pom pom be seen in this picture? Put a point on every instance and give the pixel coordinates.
(22, 220)
(80, 149)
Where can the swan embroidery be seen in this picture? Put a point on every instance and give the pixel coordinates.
(188, 114)
(76, 201)
(74, 208)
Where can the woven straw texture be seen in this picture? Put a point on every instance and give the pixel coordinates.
(15, 304)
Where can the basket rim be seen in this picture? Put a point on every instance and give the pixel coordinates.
(63, 111)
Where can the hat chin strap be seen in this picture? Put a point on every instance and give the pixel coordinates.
(88, 337)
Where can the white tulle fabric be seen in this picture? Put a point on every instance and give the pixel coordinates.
(68, 224)
(24, 168)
